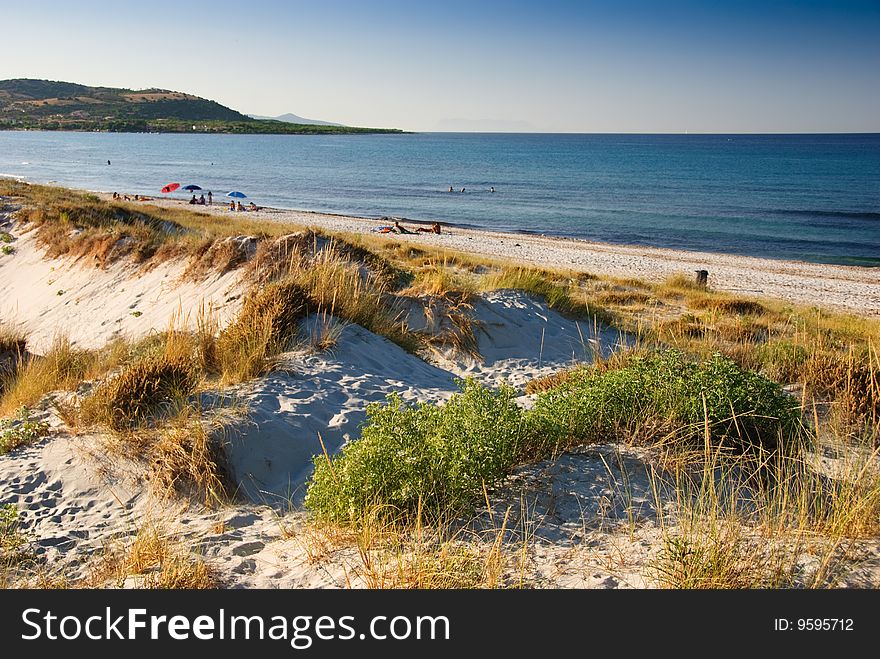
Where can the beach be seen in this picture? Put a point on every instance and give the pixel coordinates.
(88, 495)
(844, 288)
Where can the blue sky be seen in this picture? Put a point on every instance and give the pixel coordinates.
(626, 66)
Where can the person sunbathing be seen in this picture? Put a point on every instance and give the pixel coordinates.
(434, 228)
(400, 228)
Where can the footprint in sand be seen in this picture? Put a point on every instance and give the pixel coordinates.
(248, 548)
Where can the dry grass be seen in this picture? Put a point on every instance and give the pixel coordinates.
(13, 349)
(62, 367)
(155, 559)
(623, 298)
(266, 325)
(751, 525)
(323, 332)
(679, 283)
(344, 288)
(453, 326)
(441, 280)
(186, 457)
(144, 390)
(726, 305)
(444, 555)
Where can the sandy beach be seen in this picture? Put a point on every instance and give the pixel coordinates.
(590, 517)
(845, 288)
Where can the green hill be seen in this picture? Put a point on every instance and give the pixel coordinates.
(27, 104)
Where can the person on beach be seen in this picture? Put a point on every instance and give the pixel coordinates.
(253, 207)
(232, 205)
(239, 207)
(434, 228)
(400, 228)
(193, 200)
(202, 201)
(210, 197)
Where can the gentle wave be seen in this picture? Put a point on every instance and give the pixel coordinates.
(827, 214)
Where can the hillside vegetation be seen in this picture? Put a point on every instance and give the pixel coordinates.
(27, 104)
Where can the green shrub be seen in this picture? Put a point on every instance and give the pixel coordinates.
(11, 537)
(666, 396)
(428, 457)
(20, 430)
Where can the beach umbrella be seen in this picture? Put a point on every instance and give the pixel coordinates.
(236, 194)
(171, 187)
(192, 188)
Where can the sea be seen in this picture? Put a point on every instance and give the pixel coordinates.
(804, 197)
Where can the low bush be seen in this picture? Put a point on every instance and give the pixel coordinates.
(666, 396)
(20, 430)
(436, 458)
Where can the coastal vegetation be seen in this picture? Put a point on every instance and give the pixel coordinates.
(734, 401)
(27, 104)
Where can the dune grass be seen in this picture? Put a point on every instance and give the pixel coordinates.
(154, 559)
(560, 291)
(63, 367)
(266, 325)
(145, 389)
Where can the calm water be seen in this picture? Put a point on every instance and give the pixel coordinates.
(808, 197)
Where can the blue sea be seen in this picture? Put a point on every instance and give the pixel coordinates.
(806, 197)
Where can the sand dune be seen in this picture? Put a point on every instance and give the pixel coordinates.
(590, 517)
(93, 305)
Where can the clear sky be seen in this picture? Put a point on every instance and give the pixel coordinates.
(550, 65)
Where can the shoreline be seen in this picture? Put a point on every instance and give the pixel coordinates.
(846, 288)
(853, 289)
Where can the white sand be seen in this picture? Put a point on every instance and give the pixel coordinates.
(91, 305)
(326, 394)
(520, 338)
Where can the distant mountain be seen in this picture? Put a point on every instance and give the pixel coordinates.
(290, 118)
(27, 104)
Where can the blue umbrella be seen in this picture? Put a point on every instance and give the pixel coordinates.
(236, 194)
(191, 187)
